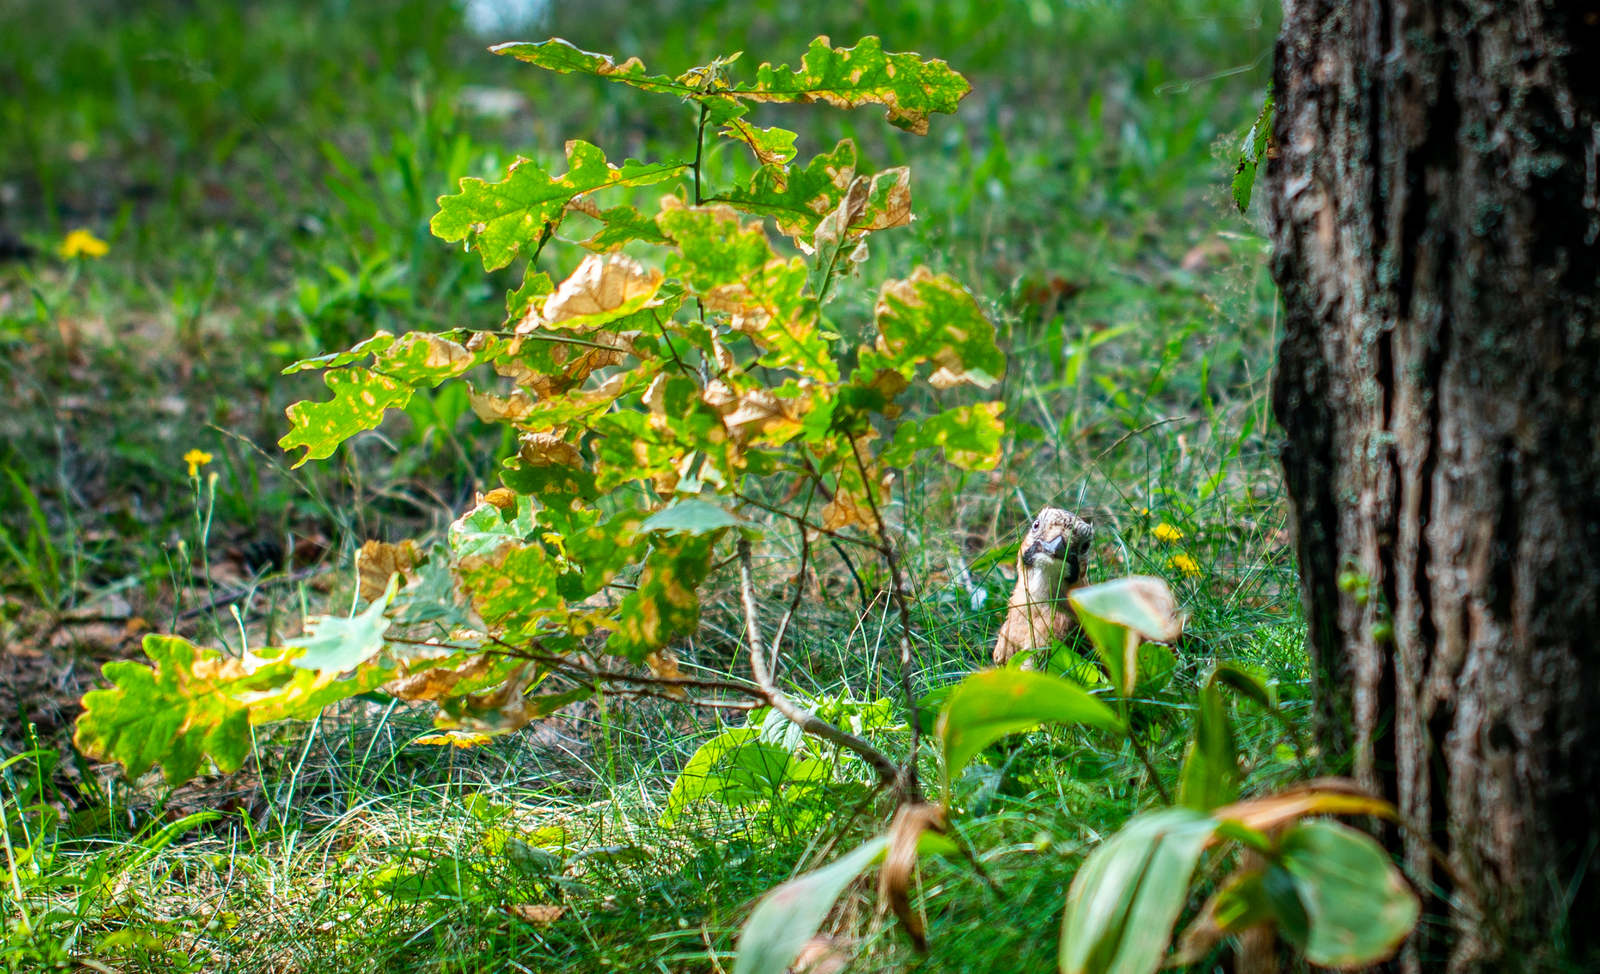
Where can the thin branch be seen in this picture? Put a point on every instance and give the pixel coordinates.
(888, 772)
(898, 593)
(804, 523)
(799, 585)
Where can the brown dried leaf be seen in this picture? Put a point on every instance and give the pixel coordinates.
(502, 498)
(548, 449)
(437, 682)
(378, 561)
(501, 409)
(663, 665)
(1321, 796)
(542, 914)
(601, 285)
(894, 879)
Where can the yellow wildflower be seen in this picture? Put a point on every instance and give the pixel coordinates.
(1166, 532)
(196, 459)
(1183, 563)
(82, 243)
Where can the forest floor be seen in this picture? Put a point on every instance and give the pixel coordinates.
(261, 178)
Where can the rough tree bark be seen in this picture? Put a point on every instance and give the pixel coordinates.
(1433, 210)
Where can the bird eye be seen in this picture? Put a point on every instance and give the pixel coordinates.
(1036, 525)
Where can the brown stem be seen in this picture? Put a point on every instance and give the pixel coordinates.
(888, 772)
(898, 593)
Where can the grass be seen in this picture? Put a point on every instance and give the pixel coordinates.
(263, 176)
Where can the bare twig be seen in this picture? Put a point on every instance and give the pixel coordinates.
(888, 772)
(913, 793)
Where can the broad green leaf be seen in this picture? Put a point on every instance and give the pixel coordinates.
(732, 268)
(970, 436)
(798, 199)
(1210, 775)
(692, 517)
(1245, 899)
(911, 88)
(1120, 614)
(514, 586)
(932, 318)
(666, 602)
(622, 225)
(173, 714)
(990, 705)
(564, 57)
(485, 529)
(1251, 153)
(1129, 892)
(1359, 906)
(698, 777)
(772, 146)
(335, 645)
(359, 399)
(789, 916)
(504, 217)
(421, 359)
(333, 360)
(535, 285)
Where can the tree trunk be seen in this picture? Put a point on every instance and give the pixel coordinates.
(1433, 208)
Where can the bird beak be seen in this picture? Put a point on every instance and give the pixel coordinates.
(1055, 549)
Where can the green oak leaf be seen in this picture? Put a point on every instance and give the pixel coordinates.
(666, 602)
(421, 359)
(501, 218)
(333, 360)
(932, 318)
(360, 397)
(172, 715)
(1251, 153)
(622, 225)
(772, 146)
(911, 88)
(798, 199)
(485, 529)
(970, 436)
(732, 268)
(334, 645)
(564, 57)
(535, 285)
(514, 586)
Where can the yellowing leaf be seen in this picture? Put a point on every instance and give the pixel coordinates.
(665, 603)
(564, 57)
(359, 400)
(600, 291)
(932, 318)
(421, 359)
(911, 88)
(454, 739)
(545, 449)
(970, 436)
(500, 409)
(171, 714)
(799, 199)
